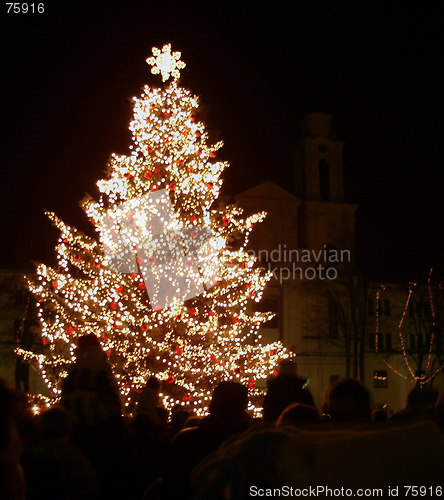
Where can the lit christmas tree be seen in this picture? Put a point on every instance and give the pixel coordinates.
(169, 287)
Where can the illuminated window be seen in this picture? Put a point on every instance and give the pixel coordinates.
(380, 379)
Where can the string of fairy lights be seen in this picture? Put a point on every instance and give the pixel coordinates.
(190, 345)
(426, 377)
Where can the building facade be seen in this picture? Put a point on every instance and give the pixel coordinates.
(326, 313)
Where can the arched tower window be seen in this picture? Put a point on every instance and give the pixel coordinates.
(324, 180)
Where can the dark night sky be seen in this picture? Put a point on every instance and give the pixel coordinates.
(69, 75)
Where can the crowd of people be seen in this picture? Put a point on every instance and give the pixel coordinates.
(84, 448)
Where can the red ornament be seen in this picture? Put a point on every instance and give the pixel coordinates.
(97, 264)
(235, 319)
(77, 258)
(272, 352)
(166, 113)
(188, 263)
(170, 379)
(172, 187)
(213, 154)
(213, 357)
(44, 341)
(134, 276)
(251, 383)
(197, 133)
(156, 170)
(179, 351)
(144, 328)
(251, 295)
(71, 329)
(127, 175)
(151, 260)
(199, 152)
(248, 285)
(243, 265)
(114, 305)
(225, 221)
(141, 286)
(178, 317)
(55, 285)
(222, 363)
(190, 169)
(192, 118)
(70, 290)
(157, 308)
(148, 174)
(116, 326)
(65, 240)
(109, 353)
(155, 187)
(209, 185)
(193, 219)
(187, 397)
(211, 313)
(150, 149)
(86, 250)
(180, 162)
(192, 311)
(275, 373)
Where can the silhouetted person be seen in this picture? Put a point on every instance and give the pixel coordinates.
(78, 474)
(227, 418)
(298, 414)
(286, 389)
(421, 400)
(12, 481)
(347, 400)
(149, 398)
(378, 415)
(146, 439)
(91, 395)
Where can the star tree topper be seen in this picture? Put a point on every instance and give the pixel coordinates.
(165, 62)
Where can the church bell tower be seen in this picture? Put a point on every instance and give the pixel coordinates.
(323, 218)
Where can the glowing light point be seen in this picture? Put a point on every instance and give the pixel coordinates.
(165, 62)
